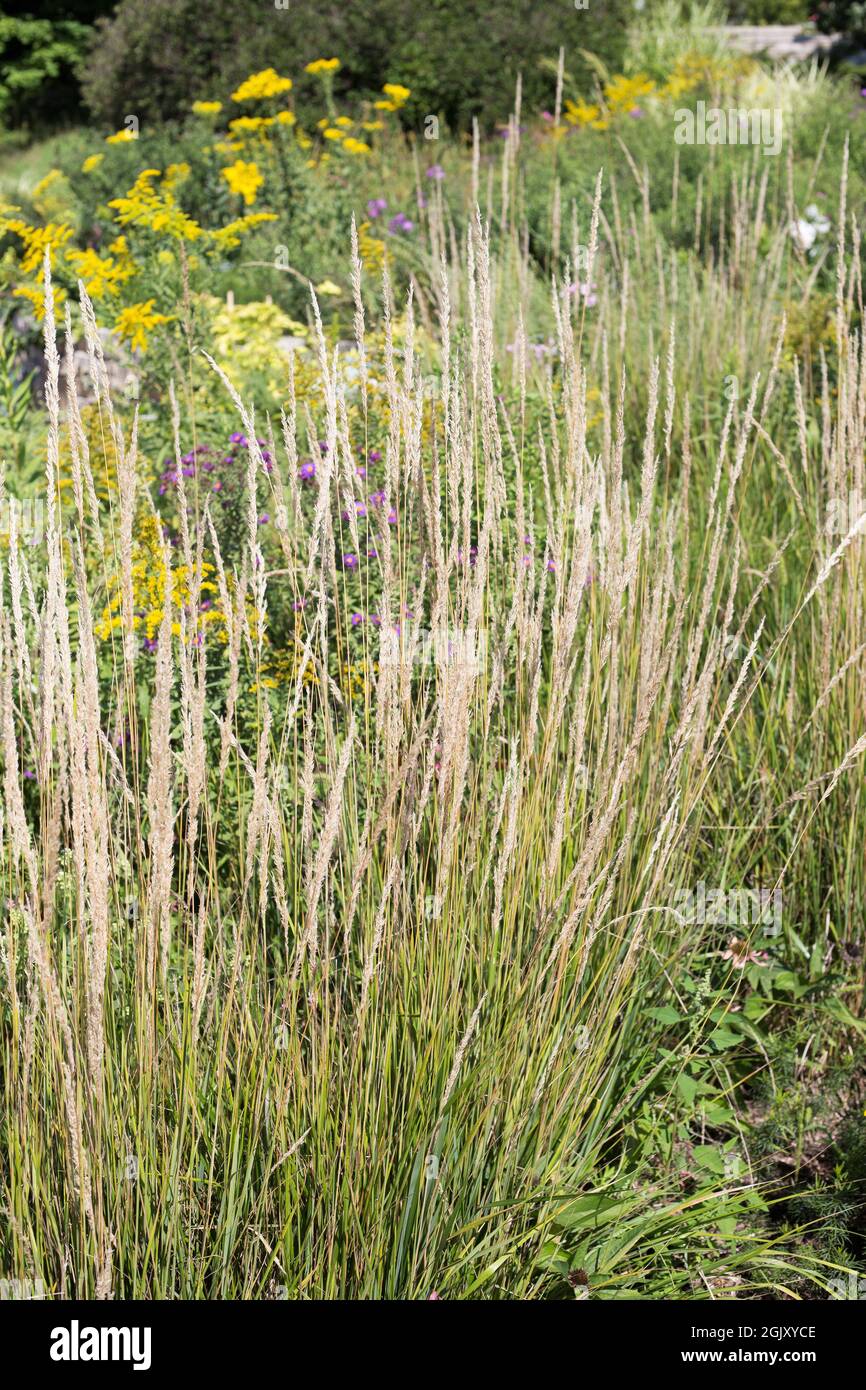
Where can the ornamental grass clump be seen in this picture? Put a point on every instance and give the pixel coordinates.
(338, 953)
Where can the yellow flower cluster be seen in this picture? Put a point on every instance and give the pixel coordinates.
(282, 668)
(157, 209)
(137, 320)
(262, 85)
(35, 296)
(321, 65)
(623, 94)
(37, 240)
(244, 178)
(228, 237)
(152, 205)
(581, 113)
(103, 275)
(371, 249)
(395, 97)
(149, 587)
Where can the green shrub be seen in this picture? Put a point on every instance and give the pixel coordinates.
(460, 58)
(843, 17)
(38, 58)
(769, 11)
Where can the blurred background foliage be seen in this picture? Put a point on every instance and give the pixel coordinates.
(62, 61)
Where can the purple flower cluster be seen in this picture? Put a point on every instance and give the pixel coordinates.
(207, 463)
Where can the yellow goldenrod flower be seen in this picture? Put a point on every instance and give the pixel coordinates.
(92, 162)
(158, 210)
(230, 236)
(385, 106)
(207, 108)
(42, 187)
(623, 93)
(344, 121)
(371, 249)
(356, 146)
(323, 65)
(244, 178)
(35, 295)
(263, 84)
(331, 133)
(285, 118)
(176, 173)
(372, 125)
(38, 240)
(396, 92)
(580, 113)
(133, 323)
(121, 137)
(102, 275)
(328, 287)
(247, 123)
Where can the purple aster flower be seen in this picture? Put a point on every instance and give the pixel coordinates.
(436, 172)
(376, 207)
(586, 292)
(240, 439)
(357, 619)
(264, 518)
(392, 517)
(350, 561)
(374, 456)
(307, 470)
(400, 223)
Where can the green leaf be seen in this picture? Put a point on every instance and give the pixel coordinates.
(710, 1157)
(664, 1015)
(687, 1087)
